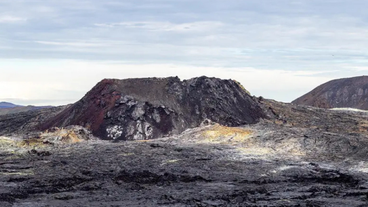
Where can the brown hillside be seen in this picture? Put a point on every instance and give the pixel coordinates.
(346, 92)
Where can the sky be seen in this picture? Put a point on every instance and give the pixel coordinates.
(52, 52)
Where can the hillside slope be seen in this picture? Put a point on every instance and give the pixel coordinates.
(346, 92)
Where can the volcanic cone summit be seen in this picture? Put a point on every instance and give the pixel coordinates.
(146, 108)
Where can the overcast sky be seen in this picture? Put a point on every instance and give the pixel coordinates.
(52, 52)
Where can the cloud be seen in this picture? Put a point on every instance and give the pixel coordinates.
(73, 44)
(358, 68)
(11, 19)
(166, 26)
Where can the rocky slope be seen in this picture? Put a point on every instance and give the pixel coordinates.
(137, 109)
(346, 92)
(23, 123)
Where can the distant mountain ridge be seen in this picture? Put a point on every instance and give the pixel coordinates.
(339, 93)
(10, 108)
(7, 105)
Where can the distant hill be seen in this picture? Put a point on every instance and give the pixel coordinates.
(10, 108)
(20, 109)
(346, 92)
(4, 105)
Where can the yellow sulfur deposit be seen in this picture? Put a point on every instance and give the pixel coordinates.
(223, 134)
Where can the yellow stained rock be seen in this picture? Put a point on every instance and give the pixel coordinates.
(223, 134)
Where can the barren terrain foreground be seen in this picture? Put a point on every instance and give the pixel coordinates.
(182, 148)
(303, 157)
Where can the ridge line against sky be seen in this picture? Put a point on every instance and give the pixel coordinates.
(53, 52)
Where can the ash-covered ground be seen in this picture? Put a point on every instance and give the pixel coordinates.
(305, 157)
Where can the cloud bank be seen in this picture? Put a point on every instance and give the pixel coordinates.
(277, 50)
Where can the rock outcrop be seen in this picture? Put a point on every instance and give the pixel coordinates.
(138, 109)
(346, 92)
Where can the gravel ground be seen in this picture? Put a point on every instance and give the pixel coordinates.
(192, 169)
